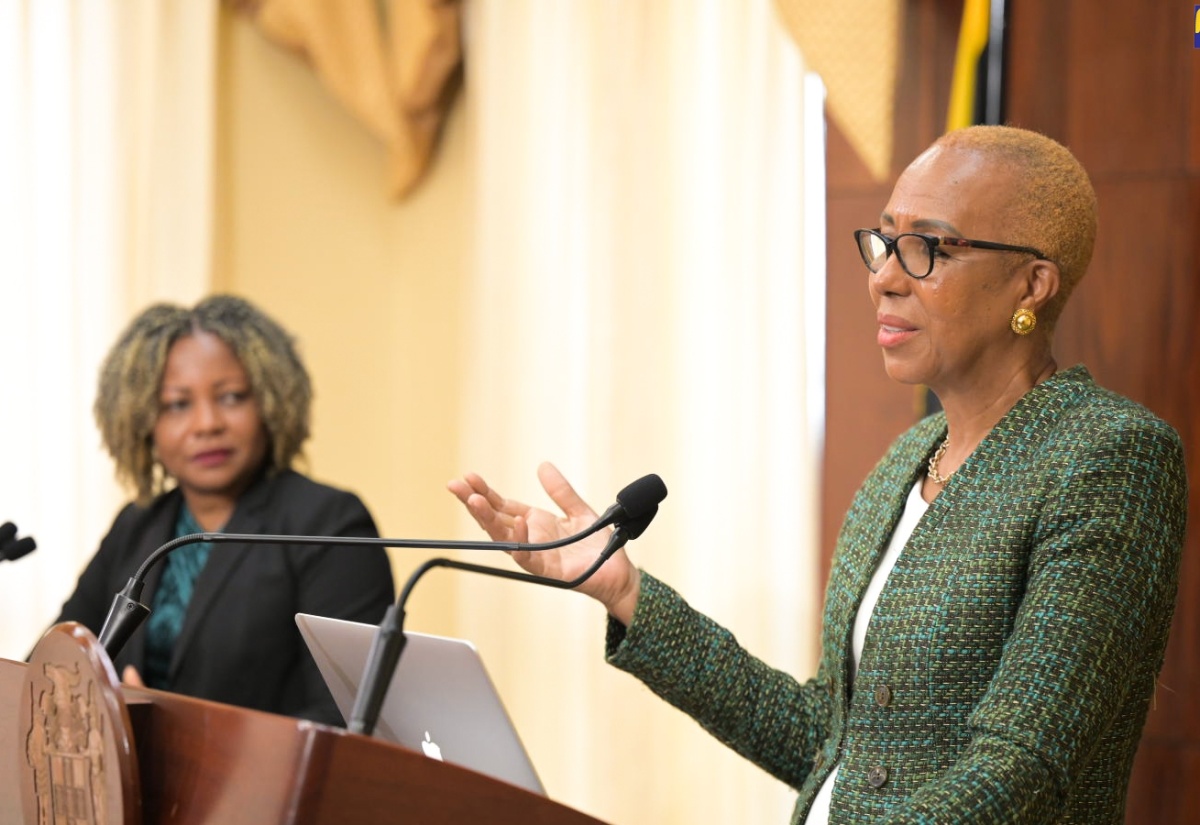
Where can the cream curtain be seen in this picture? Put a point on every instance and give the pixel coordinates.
(649, 220)
(105, 201)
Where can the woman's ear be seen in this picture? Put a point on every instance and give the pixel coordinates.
(1041, 284)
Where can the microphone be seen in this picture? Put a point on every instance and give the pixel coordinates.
(636, 506)
(127, 613)
(12, 548)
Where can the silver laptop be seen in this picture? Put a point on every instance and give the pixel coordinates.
(441, 701)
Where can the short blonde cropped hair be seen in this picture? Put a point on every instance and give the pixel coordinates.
(1053, 206)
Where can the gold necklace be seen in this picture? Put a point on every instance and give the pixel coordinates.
(934, 475)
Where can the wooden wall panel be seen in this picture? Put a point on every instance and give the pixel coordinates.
(1160, 792)
(1119, 83)
(1133, 321)
(1126, 82)
(1133, 318)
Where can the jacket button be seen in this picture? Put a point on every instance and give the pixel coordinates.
(883, 696)
(877, 776)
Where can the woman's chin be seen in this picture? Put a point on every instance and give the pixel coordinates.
(902, 371)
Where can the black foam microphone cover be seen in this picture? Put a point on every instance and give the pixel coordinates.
(20, 547)
(12, 550)
(640, 498)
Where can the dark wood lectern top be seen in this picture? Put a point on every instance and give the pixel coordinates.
(205, 762)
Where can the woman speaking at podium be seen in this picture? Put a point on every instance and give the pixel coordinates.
(204, 411)
(1003, 584)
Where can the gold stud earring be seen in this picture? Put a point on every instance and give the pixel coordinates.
(1023, 321)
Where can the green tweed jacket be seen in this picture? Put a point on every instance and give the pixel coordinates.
(1012, 656)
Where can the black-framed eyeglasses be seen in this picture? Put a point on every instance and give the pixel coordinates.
(916, 251)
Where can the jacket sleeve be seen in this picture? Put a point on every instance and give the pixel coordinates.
(763, 713)
(104, 575)
(1091, 629)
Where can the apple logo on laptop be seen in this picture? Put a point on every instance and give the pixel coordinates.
(431, 748)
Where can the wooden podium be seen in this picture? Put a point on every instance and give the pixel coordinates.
(78, 748)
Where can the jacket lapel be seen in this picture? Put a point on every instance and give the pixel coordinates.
(158, 531)
(892, 489)
(877, 507)
(1012, 444)
(223, 562)
(868, 529)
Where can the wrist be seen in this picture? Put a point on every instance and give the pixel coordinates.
(622, 607)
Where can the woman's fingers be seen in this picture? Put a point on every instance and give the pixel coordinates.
(520, 530)
(497, 525)
(505, 519)
(460, 488)
(562, 493)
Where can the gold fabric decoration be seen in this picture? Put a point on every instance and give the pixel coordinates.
(392, 63)
(854, 48)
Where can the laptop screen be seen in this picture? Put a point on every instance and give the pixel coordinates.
(440, 702)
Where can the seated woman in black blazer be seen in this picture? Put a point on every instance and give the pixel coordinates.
(204, 411)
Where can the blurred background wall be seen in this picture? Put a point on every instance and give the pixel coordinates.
(304, 225)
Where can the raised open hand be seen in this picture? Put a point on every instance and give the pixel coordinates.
(505, 519)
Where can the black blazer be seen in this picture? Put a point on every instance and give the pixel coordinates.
(239, 643)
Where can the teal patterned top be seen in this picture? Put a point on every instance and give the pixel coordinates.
(171, 600)
(1012, 656)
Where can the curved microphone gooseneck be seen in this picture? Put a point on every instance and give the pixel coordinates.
(127, 613)
(638, 503)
